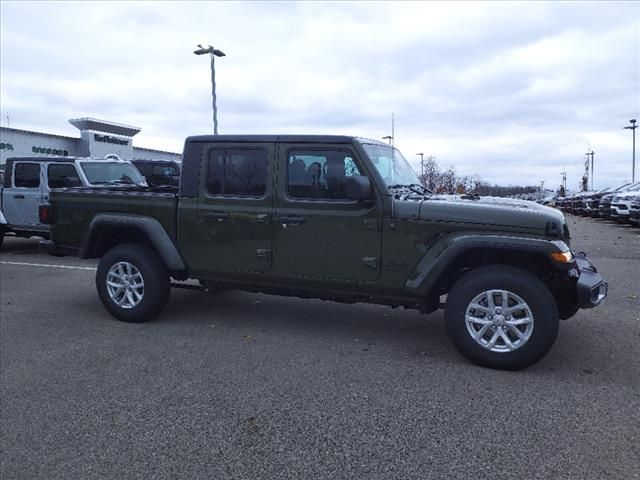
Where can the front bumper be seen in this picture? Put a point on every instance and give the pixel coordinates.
(591, 287)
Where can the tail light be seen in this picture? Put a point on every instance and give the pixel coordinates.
(45, 212)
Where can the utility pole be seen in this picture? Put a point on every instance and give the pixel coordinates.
(564, 180)
(633, 129)
(591, 153)
(421, 166)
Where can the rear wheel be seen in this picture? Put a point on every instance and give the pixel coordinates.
(501, 317)
(133, 283)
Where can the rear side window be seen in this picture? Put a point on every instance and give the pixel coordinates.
(27, 175)
(237, 172)
(61, 176)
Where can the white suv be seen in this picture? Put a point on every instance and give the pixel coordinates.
(621, 203)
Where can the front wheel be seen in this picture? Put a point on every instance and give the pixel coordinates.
(133, 283)
(501, 317)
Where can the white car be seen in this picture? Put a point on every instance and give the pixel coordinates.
(621, 204)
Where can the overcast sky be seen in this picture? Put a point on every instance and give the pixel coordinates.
(515, 92)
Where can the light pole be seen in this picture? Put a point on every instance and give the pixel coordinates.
(633, 129)
(388, 137)
(213, 53)
(421, 165)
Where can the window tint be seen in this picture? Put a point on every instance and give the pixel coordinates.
(240, 172)
(27, 175)
(60, 176)
(319, 174)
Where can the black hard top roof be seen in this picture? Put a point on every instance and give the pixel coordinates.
(281, 138)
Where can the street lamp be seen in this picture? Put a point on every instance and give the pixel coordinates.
(214, 53)
(388, 137)
(633, 129)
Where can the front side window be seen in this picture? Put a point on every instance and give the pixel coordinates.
(61, 176)
(319, 174)
(27, 175)
(103, 172)
(237, 172)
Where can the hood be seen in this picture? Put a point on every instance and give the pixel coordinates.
(495, 213)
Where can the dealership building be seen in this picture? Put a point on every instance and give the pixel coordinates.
(98, 138)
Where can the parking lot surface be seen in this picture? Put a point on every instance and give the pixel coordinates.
(249, 386)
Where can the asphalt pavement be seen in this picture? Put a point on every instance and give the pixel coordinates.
(236, 385)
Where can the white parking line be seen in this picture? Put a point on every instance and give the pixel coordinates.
(47, 265)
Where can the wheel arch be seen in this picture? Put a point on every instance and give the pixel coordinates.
(108, 230)
(444, 264)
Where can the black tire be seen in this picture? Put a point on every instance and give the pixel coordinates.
(1, 236)
(530, 289)
(154, 274)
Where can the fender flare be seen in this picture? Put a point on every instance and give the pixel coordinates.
(445, 251)
(151, 227)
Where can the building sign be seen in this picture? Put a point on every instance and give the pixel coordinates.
(6, 146)
(50, 151)
(109, 139)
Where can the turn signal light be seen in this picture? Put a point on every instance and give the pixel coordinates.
(562, 257)
(45, 212)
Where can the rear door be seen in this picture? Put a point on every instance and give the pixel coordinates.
(21, 200)
(234, 210)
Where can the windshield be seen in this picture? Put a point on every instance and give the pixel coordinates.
(108, 173)
(391, 165)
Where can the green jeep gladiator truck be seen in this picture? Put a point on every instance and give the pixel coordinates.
(337, 218)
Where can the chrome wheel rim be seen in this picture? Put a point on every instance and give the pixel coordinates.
(499, 321)
(125, 285)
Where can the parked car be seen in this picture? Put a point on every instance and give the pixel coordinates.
(605, 201)
(621, 203)
(337, 218)
(634, 211)
(592, 201)
(159, 172)
(29, 180)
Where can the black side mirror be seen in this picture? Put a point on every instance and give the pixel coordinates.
(357, 188)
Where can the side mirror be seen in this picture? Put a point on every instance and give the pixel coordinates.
(357, 188)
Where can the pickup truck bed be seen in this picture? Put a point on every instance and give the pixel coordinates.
(76, 209)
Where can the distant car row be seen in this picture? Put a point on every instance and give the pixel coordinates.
(621, 203)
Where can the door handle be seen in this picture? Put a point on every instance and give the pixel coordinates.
(219, 216)
(292, 220)
(18, 196)
(262, 218)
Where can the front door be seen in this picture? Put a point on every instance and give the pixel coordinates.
(234, 210)
(21, 201)
(319, 233)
